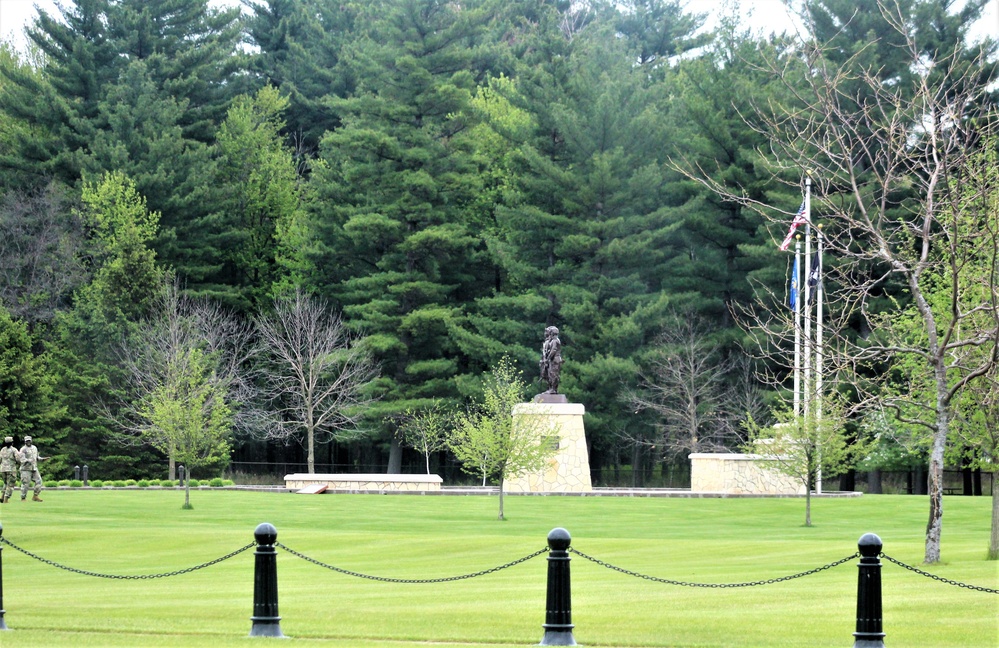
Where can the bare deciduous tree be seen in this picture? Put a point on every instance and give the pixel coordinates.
(905, 244)
(693, 392)
(183, 381)
(40, 253)
(313, 373)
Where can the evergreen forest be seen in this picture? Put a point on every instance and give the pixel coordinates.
(447, 179)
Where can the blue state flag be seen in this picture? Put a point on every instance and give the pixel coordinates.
(793, 292)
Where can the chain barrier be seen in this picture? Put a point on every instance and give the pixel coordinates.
(447, 579)
(421, 581)
(127, 577)
(769, 581)
(948, 581)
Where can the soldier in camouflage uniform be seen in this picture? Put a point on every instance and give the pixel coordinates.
(29, 469)
(9, 458)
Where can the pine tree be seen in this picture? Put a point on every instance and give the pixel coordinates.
(579, 234)
(259, 189)
(138, 87)
(302, 46)
(396, 190)
(27, 403)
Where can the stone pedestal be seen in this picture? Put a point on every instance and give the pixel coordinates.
(568, 471)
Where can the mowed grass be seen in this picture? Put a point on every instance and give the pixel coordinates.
(421, 537)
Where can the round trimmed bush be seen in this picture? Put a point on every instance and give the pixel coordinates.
(130, 482)
(76, 483)
(228, 482)
(193, 483)
(63, 482)
(217, 482)
(97, 483)
(119, 483)
(143, 483)
(51, 483)
(167, 483)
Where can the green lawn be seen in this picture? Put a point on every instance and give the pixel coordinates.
(700, 540)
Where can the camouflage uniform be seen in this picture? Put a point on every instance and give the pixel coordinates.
(29, 470)
(9, 458)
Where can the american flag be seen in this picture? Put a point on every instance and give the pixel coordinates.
(799, 219)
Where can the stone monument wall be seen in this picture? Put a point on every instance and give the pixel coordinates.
(739, 474)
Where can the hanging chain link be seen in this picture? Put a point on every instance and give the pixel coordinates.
(127, 577)
(977, 588)
(386, 579)
(667, 581)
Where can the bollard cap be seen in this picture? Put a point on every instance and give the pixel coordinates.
(265, 534)
(869, 545)
(558, 538)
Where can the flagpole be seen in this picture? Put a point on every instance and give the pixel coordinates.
(807, 391)
(818, 347)
(796, 287)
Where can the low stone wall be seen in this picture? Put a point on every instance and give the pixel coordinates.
(365, 482)
(739, 474)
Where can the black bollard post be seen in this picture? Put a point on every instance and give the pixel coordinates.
(558, 615)
(86, 469)
(869, 627)
(76, 472)
(181, 471)
(3, 626)
(266, 622)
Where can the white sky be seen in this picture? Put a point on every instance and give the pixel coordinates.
(765, 15)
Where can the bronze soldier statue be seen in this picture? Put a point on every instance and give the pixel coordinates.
(551, 359)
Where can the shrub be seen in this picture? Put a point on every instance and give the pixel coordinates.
(119, 483)
(143, 483)
(216, 482)
(167, 483)
(130, 482)
(228, 482)
(96, 483)
(62, 482)
(76, 483)
(193, 483)
(51, 483)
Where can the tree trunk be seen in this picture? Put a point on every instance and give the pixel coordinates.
(994, 540)
(395, 457)
(935, 524)
(874, 482)
(501, 498)
(172, 470)
(808, 506)
(311, 438)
